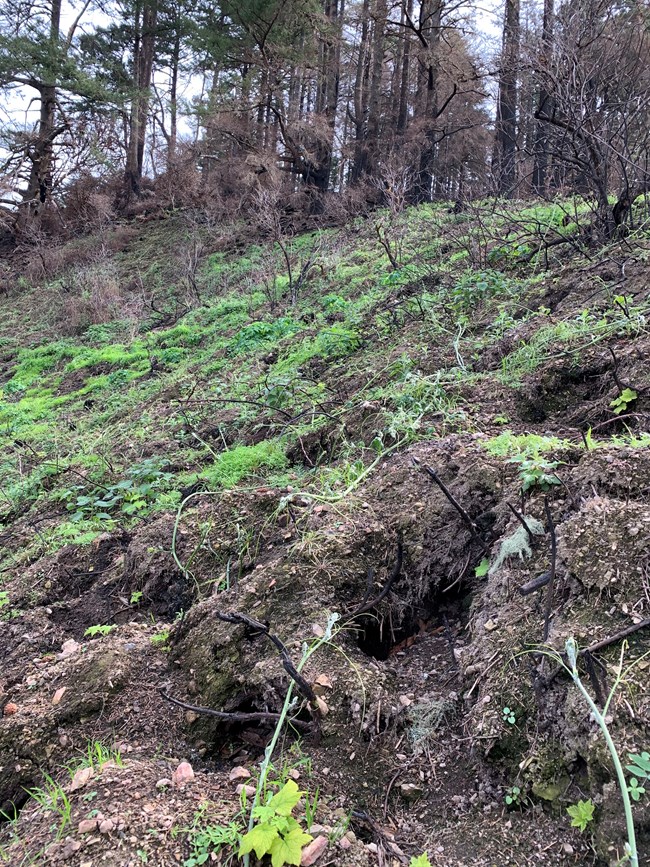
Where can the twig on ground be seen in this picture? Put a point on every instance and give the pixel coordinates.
(234, 716)
(522, 521)
(397, 568)
(551, 580)
(454, 502)
(262, 629)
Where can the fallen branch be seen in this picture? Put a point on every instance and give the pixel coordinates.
(397, 568)
(234, 716)
(263, 629)
(454, 502)
(551, 579)
(522, 521)
(536, 584)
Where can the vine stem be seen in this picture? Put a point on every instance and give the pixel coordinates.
(268, 752)
(622, 782)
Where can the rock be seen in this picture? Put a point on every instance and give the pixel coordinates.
(80, 779)
(183, 774)
(68, 648)
(312, 852)
(106, 826)
(239, 773)
(410, 791)
(165, 783)
(58, 695)
(10, 708)
(249, 790)
(87, 825)
(344, 843)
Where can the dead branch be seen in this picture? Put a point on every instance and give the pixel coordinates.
(551, 579)
(454, 502)
(254, 627)
(397, 568)
(232, 717)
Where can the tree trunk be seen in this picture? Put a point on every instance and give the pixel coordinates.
(360, 98)
(506, 118)
(143, 51)
(427, 95)
(540, 166)
(39, 186)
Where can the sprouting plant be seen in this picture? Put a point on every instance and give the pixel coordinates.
(513, 796)
(420, 861)
(483, 568)
(4, 598)
(160, 639)
(623, 401)
(99, 629)
(136, 596)
(311, 806)
(599, 716)
(537, 472)
(52, 798)
(640, 770)
(582, 813)
(98, 755)
(281, 849)
(205, 839)
(509, 716)
(276, 832)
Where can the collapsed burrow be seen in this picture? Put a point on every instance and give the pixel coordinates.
(301, 560)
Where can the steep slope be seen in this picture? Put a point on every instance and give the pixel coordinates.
(287, 435)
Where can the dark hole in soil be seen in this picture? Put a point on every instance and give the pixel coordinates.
(255, 734)
(10, 810)
(378, 639)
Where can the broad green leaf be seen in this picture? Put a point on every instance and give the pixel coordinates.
(286, 799)
(481, 571)
(581, 814)
(288, 850)
(420, 861)
(260, 838)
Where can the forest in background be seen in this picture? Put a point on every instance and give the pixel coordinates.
(320, 108)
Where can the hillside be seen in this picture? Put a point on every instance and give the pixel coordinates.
(209, 440)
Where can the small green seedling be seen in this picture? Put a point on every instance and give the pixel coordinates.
(581, 814)
(513, 796)
(483, 568)
(160, 639)
(420, 861)
(537, 473)
(640, 770)
(136, 596)
(277, 833)
(623, 401)
(509, 716)
(4, 598)
(99, 629)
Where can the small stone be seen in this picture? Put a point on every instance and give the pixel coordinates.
(249, 790)
(183, 774)
(80, 778)
(410, 791)
(491, 625)
(10, 708)
(405, 701)
(191, 717)
(58, 695)
(344, 843)
(106, 826)
(164, 783)
(567, 848)
(239, 773)
(312, 852)
(87, 825)
(68, 648)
